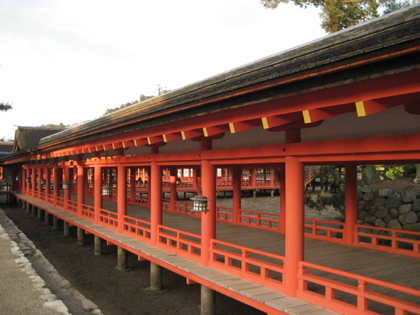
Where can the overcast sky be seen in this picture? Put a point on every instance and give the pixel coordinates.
(68, 61)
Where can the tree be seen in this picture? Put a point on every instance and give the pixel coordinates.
(54, 125)
(4, 107)
(337, 15)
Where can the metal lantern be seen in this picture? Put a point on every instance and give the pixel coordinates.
(106, 191)
(28, 179)
(200, 204)
(43, 181)
(178, 181)
(17, 178)
(65, 185)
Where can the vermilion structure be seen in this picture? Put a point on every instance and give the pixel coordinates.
(351, 98)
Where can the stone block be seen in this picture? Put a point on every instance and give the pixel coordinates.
(405, 208)
(407, 218)
(394, 224)
(416, 205)
(409, 196)
(381, 212)
(393, 213)
(370, 219)
(369, 196)
(394, 200)
(384, 193)
(365, 189)
(380, 223)
(379, 202)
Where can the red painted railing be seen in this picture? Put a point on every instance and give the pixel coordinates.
(360, 292)
(136, 228)
(394, 241)
(50, 199)
(60, 202)
(324, 230)
(179, 242)
(108, 219)
(72, 206)
(247, 263)
(183, 207)
(88, 212)
(42, 196)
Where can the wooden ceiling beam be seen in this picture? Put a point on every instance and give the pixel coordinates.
(244, 125)
(188, 134)
(215, 130)
(171, 136)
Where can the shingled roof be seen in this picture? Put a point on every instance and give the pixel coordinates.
(379, 38)
(28, 137)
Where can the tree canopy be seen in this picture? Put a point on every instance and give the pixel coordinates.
(337, 15)
(4, 107)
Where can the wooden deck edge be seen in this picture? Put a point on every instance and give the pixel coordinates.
(221, 281)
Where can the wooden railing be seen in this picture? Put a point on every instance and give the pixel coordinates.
(72, 206)
(88, 212)
(248, 263)
(60, 202)
(324, 230)
(108, 219)
(136, 228)
(179, 242)
(359, 292)
(389, 240)
(183, 207)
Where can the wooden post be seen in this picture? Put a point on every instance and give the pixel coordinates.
(351, 203)
(294, 244)
(47, 182)
(33, 181)
(122, 259)
(155, 275)
(282, 218)
(172, 188)
(56, 184)
(97, 192)
(155, 184)
(67, 192)
(80, 189)
(236, 193)
(66, 228)
(208, 301)
(208, 220)
(98, 246)
(121, 195)
(80, 236)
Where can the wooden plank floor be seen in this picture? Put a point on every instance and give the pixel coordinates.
(398, 269)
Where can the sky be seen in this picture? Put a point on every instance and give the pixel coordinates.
(68, 61)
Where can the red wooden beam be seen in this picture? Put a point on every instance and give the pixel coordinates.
(215, 130)
(171, 136)
(188, 134)
(244, 125)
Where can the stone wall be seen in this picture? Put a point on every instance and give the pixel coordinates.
(387, 208)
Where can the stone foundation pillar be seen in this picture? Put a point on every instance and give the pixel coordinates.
(155, 277)
(80, 236)
(208, 301)
(98, 246)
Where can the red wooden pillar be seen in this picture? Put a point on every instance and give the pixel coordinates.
(172, 188)
(80, 189)
(294, 244)
(351, 203)
(24, 183)
(282, 223)
(97, 191)
(272, 170)
(208, 220)
(236, 193)
(47, 183)
(254, 177)
(133, 185)
(67, 192)
(155, 184)
(33, 181)
(121, 195)
(56, 180)
(40, 176)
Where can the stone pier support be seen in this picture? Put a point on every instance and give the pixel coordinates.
(23, 205)
(155, 277)
(98, 245)
(208, 301)
(66, 228)
(254, 194)
(122, 259)
(80, 236)
(55, 223)
(47, 218)
(39, 213)
(33, 210)
(28, 207)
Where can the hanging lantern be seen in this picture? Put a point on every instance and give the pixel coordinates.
(17, 178)
(106, 191)
(28, 179)
(65, 185)
(43, 181)
(178, 181)
(200, 204)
